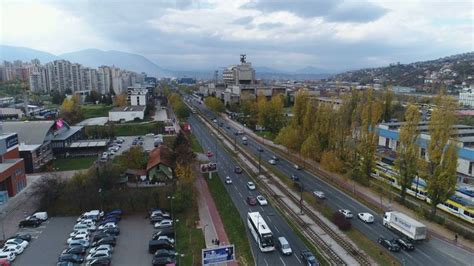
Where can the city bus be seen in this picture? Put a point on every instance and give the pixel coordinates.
(260, 232)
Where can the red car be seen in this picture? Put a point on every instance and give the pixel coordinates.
(251, 200)
(209, 154)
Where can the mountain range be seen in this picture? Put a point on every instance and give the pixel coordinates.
(138, 63)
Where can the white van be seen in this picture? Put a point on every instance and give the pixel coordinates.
(284, 246)
(43, 216)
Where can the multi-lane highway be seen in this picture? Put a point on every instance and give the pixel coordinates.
(239, 192)
(434, 252)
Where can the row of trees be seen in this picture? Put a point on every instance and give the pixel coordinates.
(214, 104)
(345, 139)
(180, 109)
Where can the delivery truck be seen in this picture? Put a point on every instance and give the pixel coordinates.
(404, 224)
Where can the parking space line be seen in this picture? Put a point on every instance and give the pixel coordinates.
(296, 256)
(284, 264)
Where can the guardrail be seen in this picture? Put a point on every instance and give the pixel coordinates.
(329, 253)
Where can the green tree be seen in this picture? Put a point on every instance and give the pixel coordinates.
(290, 138)
(387, 105)
(214, 104)
(270, 113)
(407, 160)
(249, 112)
(442, 152)
(71, 110)
(134, 158)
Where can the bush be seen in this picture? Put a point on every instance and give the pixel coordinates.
(467, 234)
(340, 220)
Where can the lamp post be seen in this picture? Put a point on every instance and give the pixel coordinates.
(259, 161)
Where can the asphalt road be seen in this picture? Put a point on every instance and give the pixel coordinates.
(434, 252)
(239, 192)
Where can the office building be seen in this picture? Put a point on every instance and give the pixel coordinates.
(12, 168)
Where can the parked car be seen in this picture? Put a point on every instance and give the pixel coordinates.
(110, 240)
(115, 212)
(405, 244)
(79, 242)
(10, 256)
(164, 224)
(99, 254)
(391, 245)
(32, 222)
(78, 237)
(166, 238)
(294, 177)
(169, 232)
(366, 217)
(17, 241)
(13, 248)
(99, 236)
(346, 213)
(238, 170)
(228, 180)
(100, 262)
(79, 232)
(71, 257)
(319, 194)
(261, 200)
(43, 216)
(308, 258)
(164, 257)
(251, 200)
(78, 250)
(26, 237)
(155, 245)
(108, 225)
(114, 231)
(251, 185)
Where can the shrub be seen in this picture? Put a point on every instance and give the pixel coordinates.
(340, 220)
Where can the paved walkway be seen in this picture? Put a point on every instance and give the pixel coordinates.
(435, 229)
(210, 220)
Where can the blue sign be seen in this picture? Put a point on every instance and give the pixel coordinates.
(12, 141)
(218, 255)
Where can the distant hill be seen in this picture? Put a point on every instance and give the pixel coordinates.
(11, 53)
(426, 76)
(132, 62)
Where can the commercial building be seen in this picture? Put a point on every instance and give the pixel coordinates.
(466, 98)
(12, 168)
(127, 113)
(137, 95)
(389, 140)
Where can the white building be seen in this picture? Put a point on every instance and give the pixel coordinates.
(466, 98)
(137, 95)
(128, 113)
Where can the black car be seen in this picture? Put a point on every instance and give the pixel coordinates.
(169, 232)
(109, 240)
(389, 244)
(67, 263)
(405, 244)
(71, 258)
(32, 222)
(78, 250)
(113, 231)
(155, 245)
(158, 218)
(294, 177)
(111, 216)
(308, 258)
(100, 262)
(26, 237)
(162, 261)
(260, 149)
(98, 236)
(238, 170)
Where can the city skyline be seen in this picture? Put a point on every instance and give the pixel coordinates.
(289, 35)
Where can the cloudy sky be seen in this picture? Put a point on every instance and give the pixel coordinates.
(288, 34)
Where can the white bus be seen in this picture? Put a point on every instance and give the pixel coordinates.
(260, 231)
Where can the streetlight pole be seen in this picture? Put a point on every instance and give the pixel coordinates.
(301, 196)
(259, 161)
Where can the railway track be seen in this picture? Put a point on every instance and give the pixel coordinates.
(317, 241)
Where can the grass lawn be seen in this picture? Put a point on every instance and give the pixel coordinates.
(138, 129)
(67, 164)
(189, 239)
(195, 144)
(234, 226)
(95, 110)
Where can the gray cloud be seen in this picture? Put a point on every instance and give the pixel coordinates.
(270, 25)
(243, 20)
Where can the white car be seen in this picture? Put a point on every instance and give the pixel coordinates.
(10, 256)
(13, 248)
(346, 213)
(98, 255)
(228, 180)
(78, 237)
(107, 225)
(297, 167)
(100, 248)
(169, 239)
(244, 138)
(43, 216)
(319, 194)
(163, 224)
(272, 162)
(78, 232)
(366, 217)
(17, 241)
(251, 185)
(261, 200)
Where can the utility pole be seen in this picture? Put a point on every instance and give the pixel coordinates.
(301, 196)
(259, 161)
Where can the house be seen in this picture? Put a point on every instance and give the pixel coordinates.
(127, 113)
(159, 168)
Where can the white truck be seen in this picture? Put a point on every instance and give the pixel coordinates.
(405, 225)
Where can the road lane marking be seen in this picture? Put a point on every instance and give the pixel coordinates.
(296, 256)
(265, 261)
(276, 228)
(284, 264)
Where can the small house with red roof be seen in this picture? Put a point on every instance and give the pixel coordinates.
(159, 167)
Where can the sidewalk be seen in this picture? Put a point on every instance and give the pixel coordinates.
(435, 229)
(210, 221)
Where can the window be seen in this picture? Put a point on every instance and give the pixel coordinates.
(422, 153)
(470, 167)
(387, 142)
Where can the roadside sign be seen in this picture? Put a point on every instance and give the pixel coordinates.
(208, 168)
(218, 255)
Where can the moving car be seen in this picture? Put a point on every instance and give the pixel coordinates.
(261, 200)
(283, 246)
(228, 180)
(272, 162)
(319, 194)
(297, 167)
(294, 177)
(209, 154)
(163, 224)
(250, 185)
(391, 245)
(251, 200)
(260, 149)
(405, 244)
(308, 258)
(274, 158)
(238, 170)
(366, 217)
(346, 213)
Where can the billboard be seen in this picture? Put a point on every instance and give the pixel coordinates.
(218, 255)
(208, 168)
(12, 141)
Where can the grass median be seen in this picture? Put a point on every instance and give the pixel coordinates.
(234, 228)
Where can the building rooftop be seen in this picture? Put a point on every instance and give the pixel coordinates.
(8, 163)
(29, 132)
(67, 133)
(129, 108)
(26, 147)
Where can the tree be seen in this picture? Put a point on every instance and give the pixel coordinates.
(270, 113)
(57, 97)
(71, 110)
(290, 138)
(181, 110)
(185, 174)
(214, 104)
(387, 105)
(134, 158)
(121, 100)
(249, 111)
(407, 160)
(442, 152)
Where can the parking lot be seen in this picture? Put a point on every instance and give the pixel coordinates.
(148, 144)
(49, 240)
